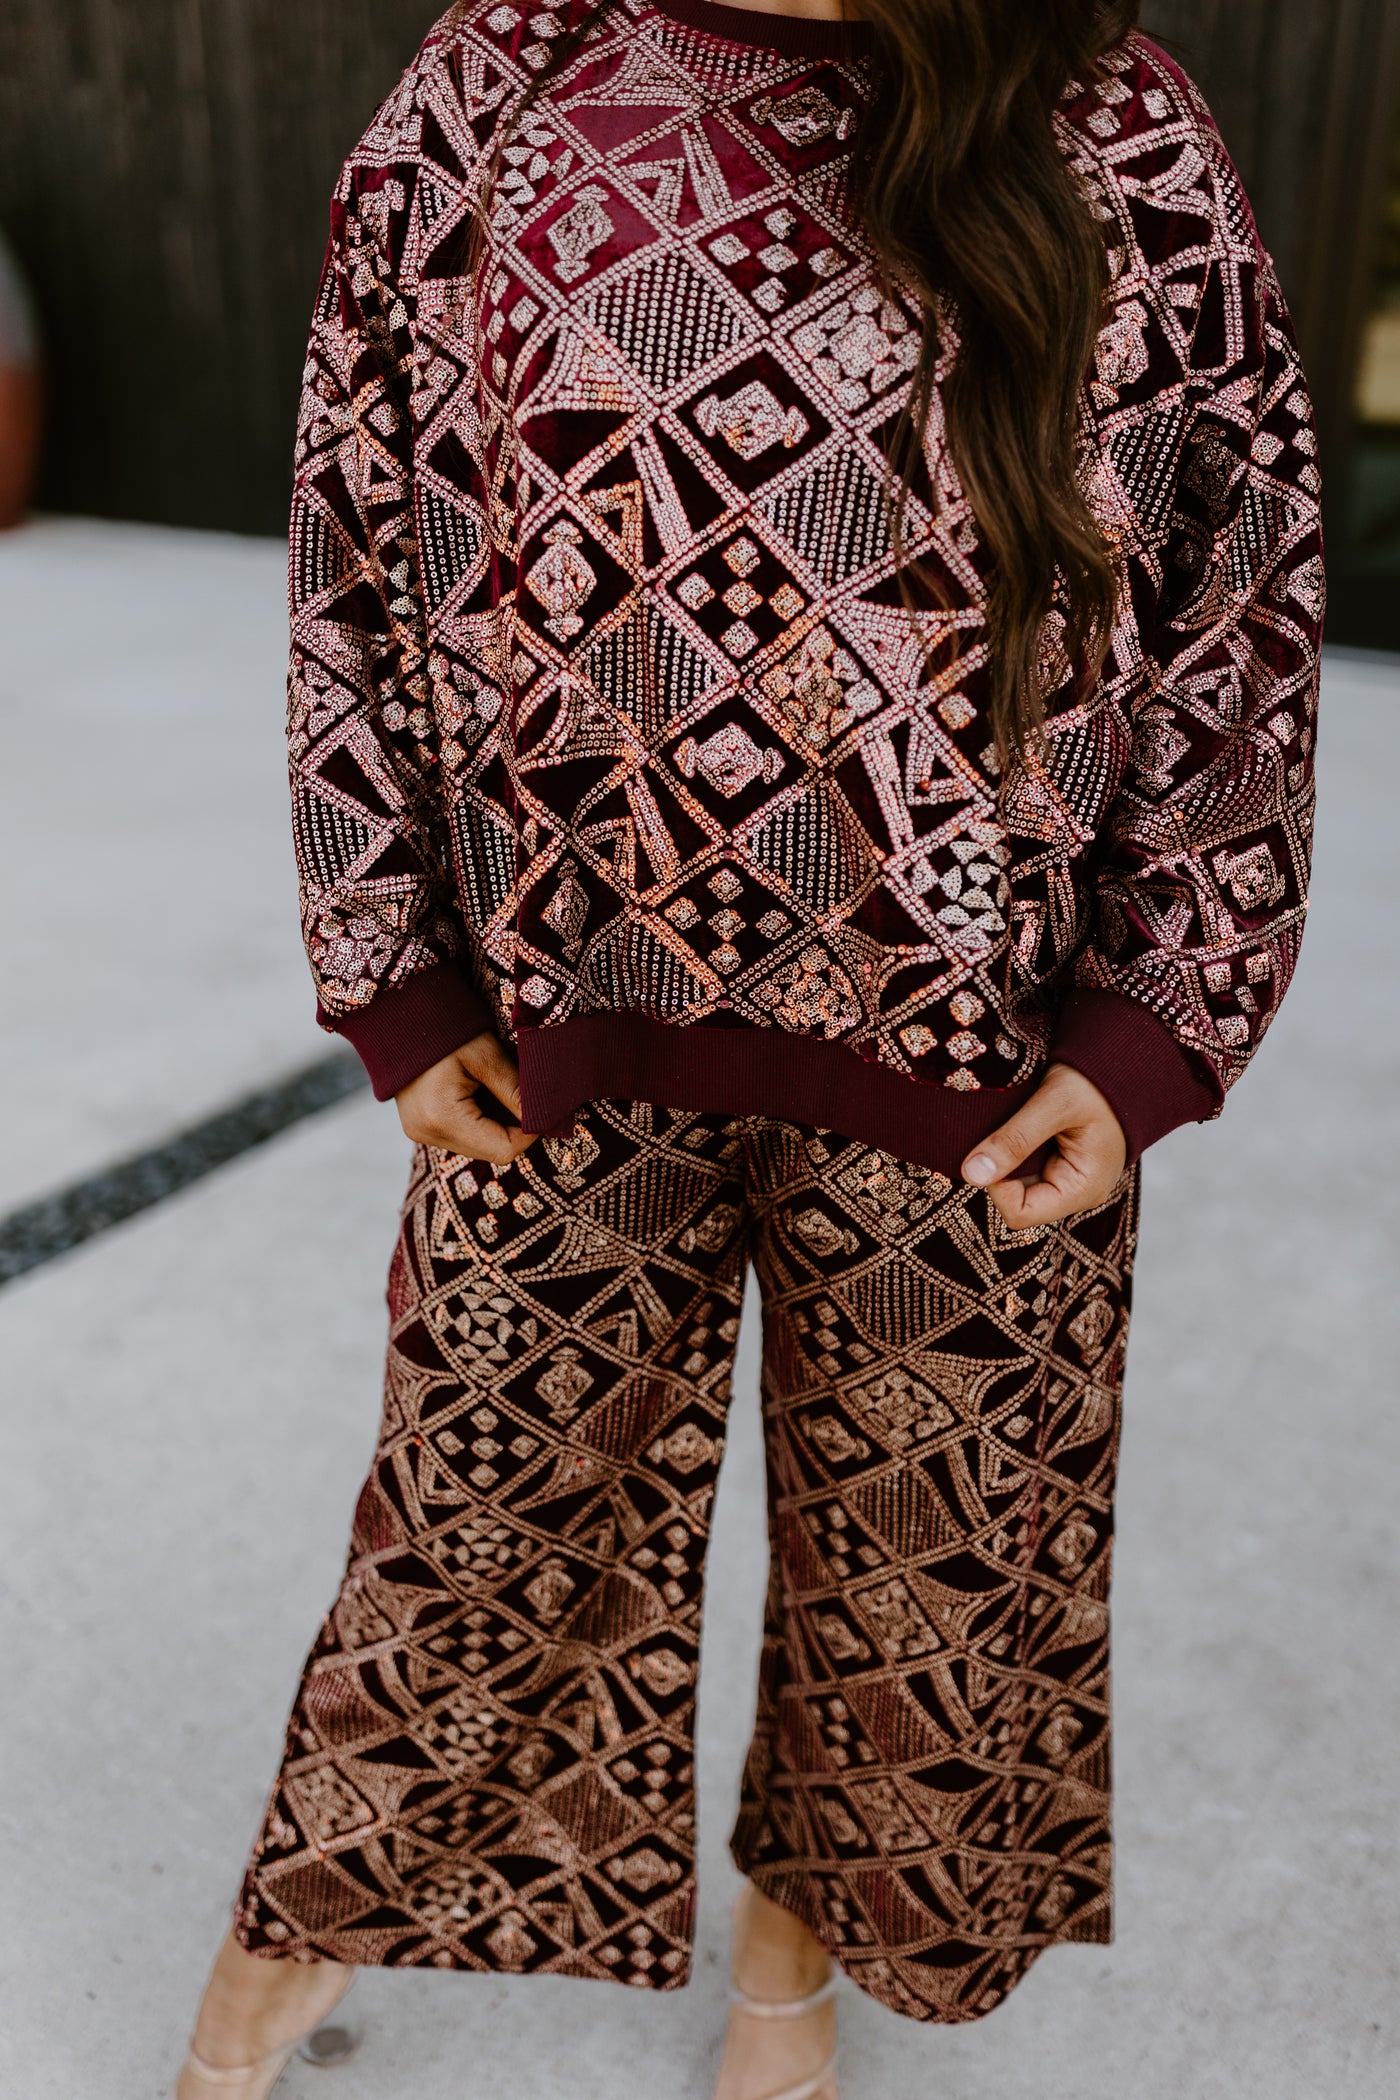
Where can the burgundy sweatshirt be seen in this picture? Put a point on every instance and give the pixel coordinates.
(609, 728)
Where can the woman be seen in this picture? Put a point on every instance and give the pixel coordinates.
(806, 593)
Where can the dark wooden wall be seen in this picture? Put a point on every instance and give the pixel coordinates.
(165, 166)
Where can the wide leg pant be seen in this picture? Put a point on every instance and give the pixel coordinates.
(489, 1763)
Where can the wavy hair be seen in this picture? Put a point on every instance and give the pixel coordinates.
(973, 211)
(967, 199)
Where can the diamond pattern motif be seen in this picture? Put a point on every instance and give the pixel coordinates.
(684, 346)
(490, 1763)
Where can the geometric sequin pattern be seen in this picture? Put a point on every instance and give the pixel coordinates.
(490, 1761)
(602, 686)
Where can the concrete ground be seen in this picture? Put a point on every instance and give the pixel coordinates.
(189, 1404)
(152, 968)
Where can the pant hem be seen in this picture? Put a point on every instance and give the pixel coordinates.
(886, 1978)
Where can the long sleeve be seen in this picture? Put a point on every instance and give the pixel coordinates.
(382, 926)
(1203, 861)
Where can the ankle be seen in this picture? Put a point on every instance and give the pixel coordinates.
(775, 1956)
(253, 2004)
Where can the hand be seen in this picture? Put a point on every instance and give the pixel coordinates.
(1083, 1170)
(439, 1106)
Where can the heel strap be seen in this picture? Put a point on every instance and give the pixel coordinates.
(783, 2008)
(822, 2081)
(239, 2074)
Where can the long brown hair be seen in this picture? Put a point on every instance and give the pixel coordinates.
(967, 198)
(971, 208)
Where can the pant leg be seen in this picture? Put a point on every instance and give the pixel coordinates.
(928, 1786)
(489, 1761)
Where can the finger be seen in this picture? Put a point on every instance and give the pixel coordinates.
(489, 1062)
(1033, 1125)
(484, 1142)
(1062, 1191)
(465, 1131)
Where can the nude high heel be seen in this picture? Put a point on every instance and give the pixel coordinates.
(822, 2084)
(336, 2036)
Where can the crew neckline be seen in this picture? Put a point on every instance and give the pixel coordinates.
(795, 36)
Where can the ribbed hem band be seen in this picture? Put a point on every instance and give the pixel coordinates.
(1149, 1081)
(752, 1072)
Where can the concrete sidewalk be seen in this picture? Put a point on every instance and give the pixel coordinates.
(190, 1403)
(151, 954)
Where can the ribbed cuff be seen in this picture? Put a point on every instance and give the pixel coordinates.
(1151, 1083)
(410, 1026)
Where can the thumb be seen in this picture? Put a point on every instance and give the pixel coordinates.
(487, 1060)
(997, 1156)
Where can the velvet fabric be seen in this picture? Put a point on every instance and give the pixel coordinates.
(609, 728)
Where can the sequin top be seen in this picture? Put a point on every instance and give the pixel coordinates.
(609, 727)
